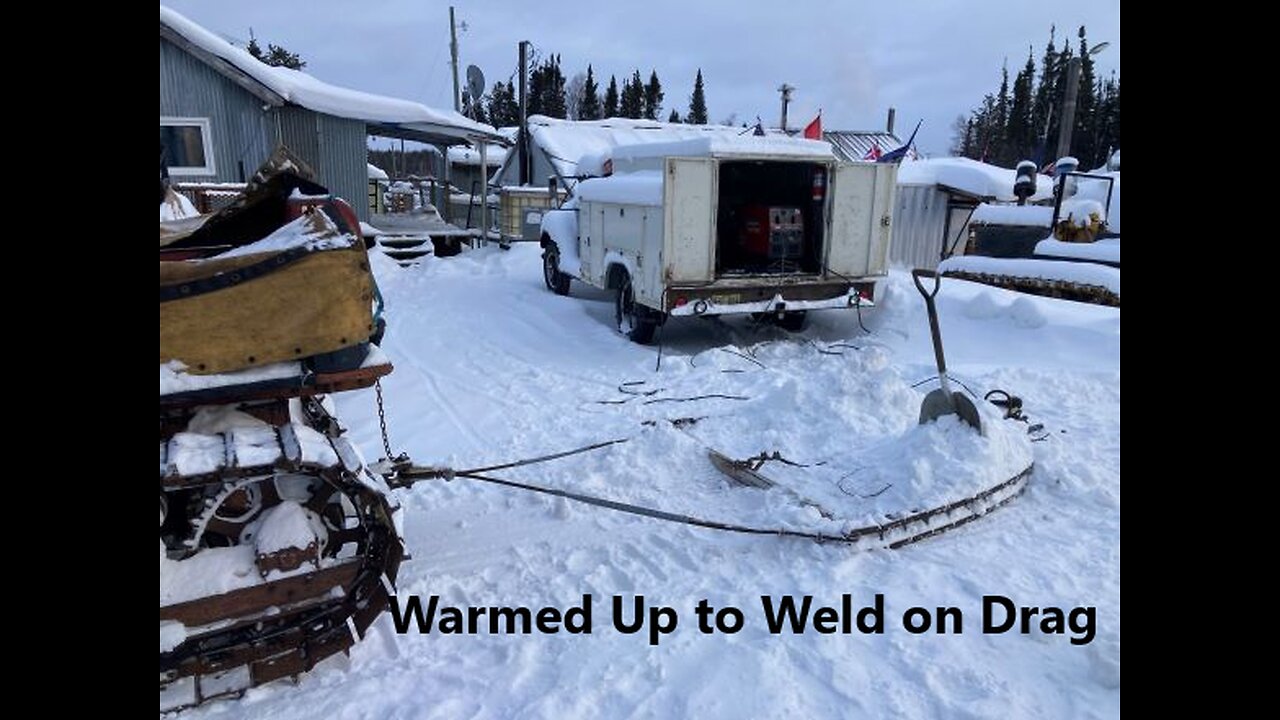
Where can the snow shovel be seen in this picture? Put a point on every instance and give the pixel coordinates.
(942, 401)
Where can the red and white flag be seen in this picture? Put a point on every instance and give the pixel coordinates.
(874, 153)
(813, 131)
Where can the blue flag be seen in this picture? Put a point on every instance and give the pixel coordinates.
(896, 156)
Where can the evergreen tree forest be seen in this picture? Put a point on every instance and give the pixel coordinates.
(582, 98)
(1022, 119)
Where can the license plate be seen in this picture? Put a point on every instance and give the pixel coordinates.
(727, 299)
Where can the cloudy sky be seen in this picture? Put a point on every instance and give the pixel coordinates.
(931, 59)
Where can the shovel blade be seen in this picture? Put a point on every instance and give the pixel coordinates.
(938, 403)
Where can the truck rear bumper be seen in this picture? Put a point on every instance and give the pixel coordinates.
(683, 302)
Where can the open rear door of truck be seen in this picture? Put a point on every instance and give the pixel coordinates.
(689, 199)
(862, 196)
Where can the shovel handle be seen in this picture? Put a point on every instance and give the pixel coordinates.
(918, 273)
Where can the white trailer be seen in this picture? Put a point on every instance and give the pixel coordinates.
(722, 225)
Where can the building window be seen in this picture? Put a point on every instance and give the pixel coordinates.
(188, 146)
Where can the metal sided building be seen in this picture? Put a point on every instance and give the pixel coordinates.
(935, 201)
(222, 112)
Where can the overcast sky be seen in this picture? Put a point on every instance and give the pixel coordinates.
(931, 59)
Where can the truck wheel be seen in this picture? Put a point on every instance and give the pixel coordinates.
(635, 320)
(557, 282)
(793, 321)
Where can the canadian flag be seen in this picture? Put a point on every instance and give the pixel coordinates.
(874, 153)
(813, 130)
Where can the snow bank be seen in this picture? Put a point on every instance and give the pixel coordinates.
(377, 173)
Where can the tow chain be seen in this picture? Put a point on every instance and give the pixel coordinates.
(382, 421)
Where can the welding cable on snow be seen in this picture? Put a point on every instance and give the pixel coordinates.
(405, 473)
(710, 396)
(662, 514)
(932, 378)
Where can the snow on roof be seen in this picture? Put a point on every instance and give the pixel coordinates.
(566, 141)
(494, 155)
(302, 89)
(969, 176)
(376, 173)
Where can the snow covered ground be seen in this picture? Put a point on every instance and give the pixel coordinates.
(491, 367)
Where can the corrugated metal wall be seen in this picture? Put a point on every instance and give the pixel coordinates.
(920, 227)
(335, 148)
(919, 216)
(241, 132)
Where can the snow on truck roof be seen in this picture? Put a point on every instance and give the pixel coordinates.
(299, 88)
(566, 142)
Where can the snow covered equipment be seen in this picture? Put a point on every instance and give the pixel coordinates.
(278, 547)
(942, 401)
(1070, 250)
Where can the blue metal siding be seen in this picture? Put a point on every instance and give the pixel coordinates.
(241, 132)
(344, 157)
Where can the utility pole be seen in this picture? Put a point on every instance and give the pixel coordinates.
(453, 53)
(1068, 121)
(1067, 124)
(785, 89)
(524, 109)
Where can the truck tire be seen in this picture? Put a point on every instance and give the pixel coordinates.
(793, 321)
(634, 320)
(557, 282)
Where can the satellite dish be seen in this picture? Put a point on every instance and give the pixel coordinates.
(475, 82)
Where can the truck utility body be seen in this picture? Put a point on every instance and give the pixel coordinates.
(725, 225)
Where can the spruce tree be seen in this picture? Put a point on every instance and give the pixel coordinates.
(1042, 107)
(631, 105)
(1019, 142)
(1084, 135)
(611, 98)
(535, 91)
(553, 93)
(697, 103)
(674, 117)
(275, 55)
(999, 141)
(504, 111)
(589, 105)
(653, 97)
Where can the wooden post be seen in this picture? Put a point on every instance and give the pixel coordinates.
(453, 54)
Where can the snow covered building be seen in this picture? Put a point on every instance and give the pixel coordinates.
(936, 199)
(854, 145)
(222, 112)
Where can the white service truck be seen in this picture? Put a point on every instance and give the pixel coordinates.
(717, 225)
